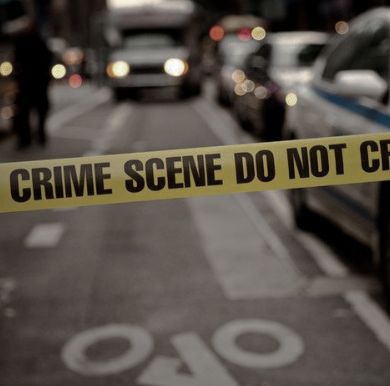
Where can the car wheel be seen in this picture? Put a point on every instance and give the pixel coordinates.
(301, 212)
(384, 256)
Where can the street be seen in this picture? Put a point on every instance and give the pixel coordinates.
(215, 291)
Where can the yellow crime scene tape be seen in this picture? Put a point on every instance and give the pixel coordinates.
(109, 179)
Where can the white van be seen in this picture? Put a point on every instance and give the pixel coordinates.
(153, 44)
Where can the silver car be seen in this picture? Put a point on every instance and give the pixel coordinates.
(349, 94)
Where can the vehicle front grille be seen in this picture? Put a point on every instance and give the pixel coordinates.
(145, 69)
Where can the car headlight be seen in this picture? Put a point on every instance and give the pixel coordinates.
(175, 67)
(118, 69)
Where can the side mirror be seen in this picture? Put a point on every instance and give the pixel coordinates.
(360, 83)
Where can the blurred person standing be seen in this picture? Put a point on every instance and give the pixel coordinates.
(32, 64)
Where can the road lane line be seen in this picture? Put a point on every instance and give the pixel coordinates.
(224, 131)
(371, 314)
(115, 122)
(265, 231)
(246, 269)
(44, 235)
(59, 119)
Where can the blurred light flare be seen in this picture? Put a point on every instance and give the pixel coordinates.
(175, 67)
(216, 33)
(6, 69)
(75, 81)
(7, 113)
(58, 71)
(118, 69)
(261, 92)
(341, 27)
(248, 86)
(258, 33)
(238, 76)
(291, 99)
(239, 89)
(73, 56)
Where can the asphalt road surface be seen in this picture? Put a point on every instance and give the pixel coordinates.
(219, 291)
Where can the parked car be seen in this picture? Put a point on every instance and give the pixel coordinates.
(282, 60)
(349, 94)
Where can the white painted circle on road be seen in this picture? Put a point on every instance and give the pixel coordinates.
(290, 344)
(74, 352)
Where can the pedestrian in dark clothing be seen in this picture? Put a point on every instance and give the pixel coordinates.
(32, 63)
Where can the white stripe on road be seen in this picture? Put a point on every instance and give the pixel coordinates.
(371, 314)
(115, 122)
(258, 281)
(243, 273)
(44, 235)
(59, 119)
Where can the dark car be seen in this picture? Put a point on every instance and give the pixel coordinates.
(282, 61)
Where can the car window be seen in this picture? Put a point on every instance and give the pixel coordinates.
(365, 49)
(149, 40)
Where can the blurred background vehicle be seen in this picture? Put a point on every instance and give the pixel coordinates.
(269, 76)
(349, 94)
(154, 45)
(234, 37)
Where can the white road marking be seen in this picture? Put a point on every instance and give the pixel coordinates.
(265, 231)
(140, 347)
(257, 280)
(371, 314)
(115, 122)
(277, 200)
(206, 370)
(44, 235)
(243, 273)
(59, 119)
(290, 348)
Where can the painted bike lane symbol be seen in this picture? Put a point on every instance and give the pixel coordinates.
(205, 367)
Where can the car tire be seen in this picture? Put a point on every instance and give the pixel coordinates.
(301, 212)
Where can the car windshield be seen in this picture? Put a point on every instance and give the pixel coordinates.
(149, 40)
(295, 55)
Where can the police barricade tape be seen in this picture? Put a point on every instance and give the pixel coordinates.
(110, 179)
